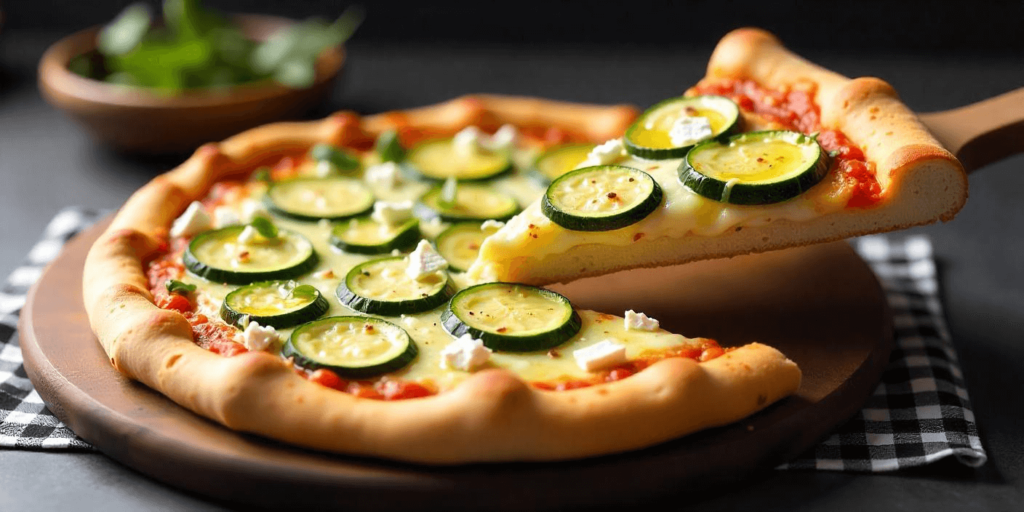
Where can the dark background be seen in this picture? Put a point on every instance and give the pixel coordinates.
(938, 55)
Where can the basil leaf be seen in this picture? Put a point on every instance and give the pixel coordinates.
(264, 227)
(340, 159)
(126, 31)
(262, 174)
(179, 288)
(305, 291)
(388, 147)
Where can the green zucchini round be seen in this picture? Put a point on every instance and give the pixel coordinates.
(381, 287)
(601, 198)
(460, 244)
(354, 347)
(312, 199)
(364, 235)
(511, 317)
(473, 202)
(279, 304)
(217, 256)
(650, 135)
(558, 160)
(438, 159)
(755, 168)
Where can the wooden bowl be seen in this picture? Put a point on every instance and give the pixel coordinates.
(139, 121)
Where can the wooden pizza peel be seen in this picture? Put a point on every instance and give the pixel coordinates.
(821, 305)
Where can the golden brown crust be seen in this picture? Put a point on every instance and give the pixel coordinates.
(493, 416)
(921, 182)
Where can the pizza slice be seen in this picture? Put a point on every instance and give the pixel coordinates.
(767, 152)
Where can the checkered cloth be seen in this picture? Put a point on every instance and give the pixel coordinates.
(920, 412)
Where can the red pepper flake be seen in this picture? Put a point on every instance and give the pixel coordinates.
(638, 236)
(554, 354)
(612, 195)
(502, 329)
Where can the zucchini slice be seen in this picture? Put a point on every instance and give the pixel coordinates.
(365, 235)
(472, 202)
(218, 256)
(460, 244)
(279, 304)
(601, 198)
(755, 168)
(439, 159)
(381, 287)
(512, 317)
(312, 199)
(354, 347)
(667, 130)
(559, 160)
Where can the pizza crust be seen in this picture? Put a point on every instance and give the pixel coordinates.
(493, 416)
(921, 181)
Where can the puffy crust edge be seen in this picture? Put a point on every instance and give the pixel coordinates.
(493, 416)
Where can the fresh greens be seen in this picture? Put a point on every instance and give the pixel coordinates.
(179, 288)
(198, 48)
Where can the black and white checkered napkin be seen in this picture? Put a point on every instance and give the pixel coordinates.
(920, 412)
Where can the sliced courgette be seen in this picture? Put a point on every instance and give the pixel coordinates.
(559, 160)
(381, 287)
(279, 304)
(354, 347)
(512, 317)
(439, 159)
(312, 199)
(601, 198)
(661, 131)
(365, 235)
(218, 256)
(472, 202)
(755, 168)
(460, 244)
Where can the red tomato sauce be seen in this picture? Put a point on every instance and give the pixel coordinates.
(705, 350)
(385, 388)
(796, 110)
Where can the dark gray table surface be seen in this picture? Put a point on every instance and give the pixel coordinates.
(47, 162)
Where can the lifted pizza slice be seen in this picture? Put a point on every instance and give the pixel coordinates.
(767, 152)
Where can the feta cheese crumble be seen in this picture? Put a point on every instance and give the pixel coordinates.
(601, 355)
(465, 353)
(491, 223)
(324, 169)
(607, 153)
(224, 216)
(248, 235)
(391, 213)
(689, 130)
(503, 140)
(424, 261)
(194, 220)
(467, 141)
(640, 322)
(251, 209)
(258, 338)
(386, 175)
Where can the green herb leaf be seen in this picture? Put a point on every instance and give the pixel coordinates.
(833, 153)
(340, 159)
(264, 227)
(179, 288)
(126, 31)
(305, 291)
(262, 174)
(449, 191)
(388, 147)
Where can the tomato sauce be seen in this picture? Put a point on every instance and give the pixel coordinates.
(796, 110)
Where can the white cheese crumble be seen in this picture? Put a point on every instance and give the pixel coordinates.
(259, 338)
(689, 130)
(323, 224)
(224, 216)
(640, 322)
(467, 141)
(248, 235)
(324, 169)
(251, 209)
(465, 353)
(601, 355)
(424, 261)
(391, 213)
(607, 153)
(194, 220)
(386, 175)
(491, 223)
(503, 140)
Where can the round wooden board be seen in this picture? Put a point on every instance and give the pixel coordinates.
(820, 305)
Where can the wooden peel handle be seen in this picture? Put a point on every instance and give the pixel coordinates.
(981, 133)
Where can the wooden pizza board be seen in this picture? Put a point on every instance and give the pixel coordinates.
(821, 305)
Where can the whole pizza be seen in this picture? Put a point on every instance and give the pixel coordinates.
(369, 285)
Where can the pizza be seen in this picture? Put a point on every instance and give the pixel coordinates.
(319, 283)
(768, 151)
